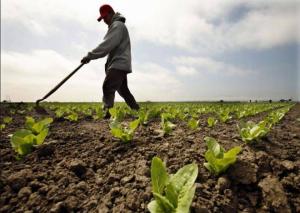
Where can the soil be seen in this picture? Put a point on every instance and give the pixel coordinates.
(82, 168)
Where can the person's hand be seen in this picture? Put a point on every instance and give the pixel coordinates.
(85, 60)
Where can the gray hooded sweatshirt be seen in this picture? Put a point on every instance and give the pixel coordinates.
(116, 44)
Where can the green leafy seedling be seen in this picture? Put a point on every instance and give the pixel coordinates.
(117, 113)
(172, 193)
(72, 117)
(217, 159)
(59, 113)
(2, 126)
(36, 127)
(166, 125)
(225, 116)
(251, 131)
(211, 121)
(124, 134)
(7, 120)
(193, 123)
(24, 140)
(99, 114)
(144, 117)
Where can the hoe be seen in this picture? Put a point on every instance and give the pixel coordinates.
(40, 109)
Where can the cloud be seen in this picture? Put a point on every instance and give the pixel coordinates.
(186, 71)
(194, 65)
(265, 27)
(29, 76)
(192, 25)
(151, 81)
(208, 27)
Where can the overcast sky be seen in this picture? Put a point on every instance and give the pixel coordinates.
(181, 50)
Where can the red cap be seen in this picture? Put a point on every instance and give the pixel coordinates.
(104, 11)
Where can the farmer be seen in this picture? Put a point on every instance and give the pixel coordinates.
(116, 44)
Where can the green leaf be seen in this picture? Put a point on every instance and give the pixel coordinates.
(212, 164)
(117, 132)
(213, 145)
(72, 117)
(171, 194)
(163, 203)
(159, 175)
(185, 199)
(250, 131)
(22, 133)
(167, 126)
(153, 207)
(232, 153)
(24, 148)
(208, 166)
(41, 125)
(193, 124)
(113, 112)
(46, 122)
(37, 128)
(211, 121)
(217, 163)
(22, 141)
(29, 122)
(7, 120)
(41, 137)
(182, 180)
(2, 126)
(59, 113)
(134, 124)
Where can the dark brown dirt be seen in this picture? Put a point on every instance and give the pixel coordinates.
(81, 168)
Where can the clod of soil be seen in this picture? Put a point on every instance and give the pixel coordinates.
(273, 194)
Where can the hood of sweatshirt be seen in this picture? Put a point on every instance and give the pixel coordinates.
(118, 17)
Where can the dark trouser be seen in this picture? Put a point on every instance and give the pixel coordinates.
(116, 80)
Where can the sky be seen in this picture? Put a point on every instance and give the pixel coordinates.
(190, 50)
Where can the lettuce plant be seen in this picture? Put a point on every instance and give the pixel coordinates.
(34, 134)
(211, 121)
(117, 113)
(172, 193)
(87, 112)
(275, 116)
(224, 116)
(59, 113)
(217, 159)
(167, 127)
(99, 114)
(241, 113)
(2, 126)
(251, 131)
(168, 116)
(7, 120)
(144, 117)
(124, 134)
(37, 127)
(193, 123)
(72, 117)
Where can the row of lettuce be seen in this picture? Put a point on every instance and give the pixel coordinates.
(34, 132)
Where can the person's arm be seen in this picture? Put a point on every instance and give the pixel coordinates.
(111, 40)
